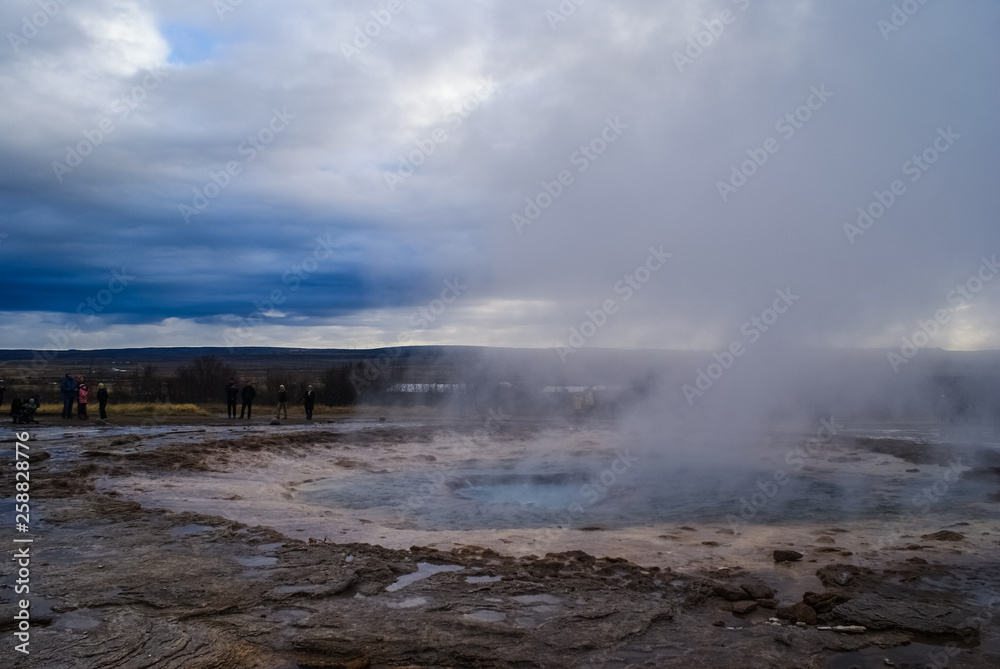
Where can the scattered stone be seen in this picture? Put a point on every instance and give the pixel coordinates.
(781, 555)
(844, 629)
(846, 553)
(784, 638)
(768, 603)
(709, 543)
(824, 601)
(718, 623)
(841, 574)
(944, 535)
(913, 471)
(916, 560)
(275, 421)
(686, 527)
(758, 590)
(798, 613)
(744, 606)
(825, 540)
(729, 591)
(913, 547)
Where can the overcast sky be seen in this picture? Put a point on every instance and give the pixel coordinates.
(484, 172)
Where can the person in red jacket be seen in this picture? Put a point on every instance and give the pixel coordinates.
(82, 392)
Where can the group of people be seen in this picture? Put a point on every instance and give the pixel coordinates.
(248, 393)
(77, 390)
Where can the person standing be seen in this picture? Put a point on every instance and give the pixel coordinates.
(102, 400)
(69, 389)
(2, 389)
(232, 392)
(310, 402)
(282, 402)
(248, 394)
(82, 392)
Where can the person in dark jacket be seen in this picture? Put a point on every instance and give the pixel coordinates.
(2, 389)
(102, 400)
(282, 402)
(248, 394)
(232, 392)
(310, 402)
(83, 392)
(68, 388)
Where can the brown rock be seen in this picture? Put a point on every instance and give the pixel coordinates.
(841, 574)
(768, 603)
(758, 590)
(798, 613)
(824, 601)
(944, 535)
(745, 606)
(781, 555)
(729, 591)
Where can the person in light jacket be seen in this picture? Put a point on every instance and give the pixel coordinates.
(82, 391)
(282, 402)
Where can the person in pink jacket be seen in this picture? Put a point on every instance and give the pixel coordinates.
(82, 392)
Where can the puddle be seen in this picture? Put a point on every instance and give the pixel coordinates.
(411, 603)
(487, 616)
(289, 616)
(482, 579)
(424, 570)
(80, 620)
(188, 530)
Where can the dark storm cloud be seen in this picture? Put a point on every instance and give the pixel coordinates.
(219, 150)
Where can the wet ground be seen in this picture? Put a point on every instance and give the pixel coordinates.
(439, 543)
